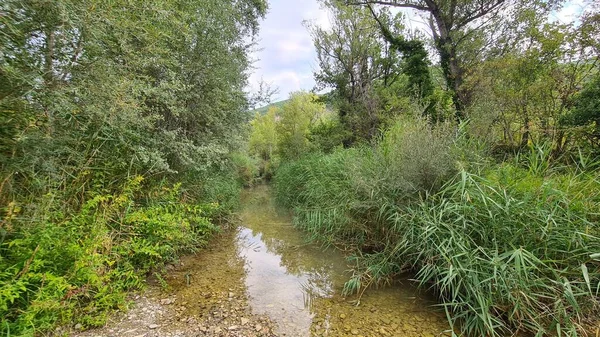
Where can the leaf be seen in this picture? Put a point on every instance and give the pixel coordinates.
(586, 276)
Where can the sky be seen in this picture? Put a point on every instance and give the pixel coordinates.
(285, 55)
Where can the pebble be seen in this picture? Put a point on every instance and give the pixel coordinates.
(167, 301)
(153, 326)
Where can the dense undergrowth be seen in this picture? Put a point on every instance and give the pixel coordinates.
(507, 247)
(60, 265)
(118, 122)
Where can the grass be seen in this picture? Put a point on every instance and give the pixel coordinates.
(507, 248)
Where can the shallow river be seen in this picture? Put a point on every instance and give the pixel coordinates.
(299, 285)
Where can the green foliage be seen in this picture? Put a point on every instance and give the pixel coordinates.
(263, 137)
(262, 142)
(76, 268)
(339, 194)
(328, 133)
(506, 252)
(296, 118)
(356, 61)
(415, 58)
(529, 95)
(94, 98)
(587, 112)
(302, 124)
(221, 190)
(247, 168)
(510, 248)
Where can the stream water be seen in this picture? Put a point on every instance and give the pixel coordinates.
(299, 285)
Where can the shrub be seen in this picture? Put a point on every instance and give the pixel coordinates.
(416, 157)
(247, 168)
(339, 195)
(74, 268)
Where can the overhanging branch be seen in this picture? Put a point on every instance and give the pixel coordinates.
(393, 3)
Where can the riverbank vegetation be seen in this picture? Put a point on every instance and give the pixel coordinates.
(118, 121)
(470, 161)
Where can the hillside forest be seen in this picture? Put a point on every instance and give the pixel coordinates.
(465, 153)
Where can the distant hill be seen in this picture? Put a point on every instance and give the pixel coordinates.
(264, 109)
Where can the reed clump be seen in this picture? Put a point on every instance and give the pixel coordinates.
(510, 247)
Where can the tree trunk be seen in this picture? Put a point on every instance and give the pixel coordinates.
(526, 131)
(448, 60)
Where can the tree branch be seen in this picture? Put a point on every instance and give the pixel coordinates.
(482, 11)
(393, 3)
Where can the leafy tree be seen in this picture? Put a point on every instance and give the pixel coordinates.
(587, 111)
(263, 136)
(356, 61)
(96, 97)
(124, 87)
(295, 120)
(461, 29)
(528, 91)
(414, 56)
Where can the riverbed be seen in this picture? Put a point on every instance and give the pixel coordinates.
(299, 285)
(260, 277)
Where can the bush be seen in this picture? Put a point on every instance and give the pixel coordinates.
(60, 268)
(247, 168)
(339, 195)
(416, 157)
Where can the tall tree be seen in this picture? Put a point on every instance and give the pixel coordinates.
(454, 25)
(356, 61)
(295, 120)
(157, 88)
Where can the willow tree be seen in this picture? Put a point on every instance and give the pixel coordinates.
(122, 86)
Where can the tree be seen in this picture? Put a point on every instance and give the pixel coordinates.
(586, 112)
(414, 56)
(454, 25)
(122, 86)
(263, 135)
(103, 104)
(355, 61)
(293, 127)
(529, 91)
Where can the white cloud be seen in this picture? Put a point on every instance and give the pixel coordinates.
(286, 52)
(570, 11)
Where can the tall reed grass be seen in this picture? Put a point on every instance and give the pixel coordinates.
(508, 248)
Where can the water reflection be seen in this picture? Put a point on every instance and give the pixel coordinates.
(299, 285)
(273, 289)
